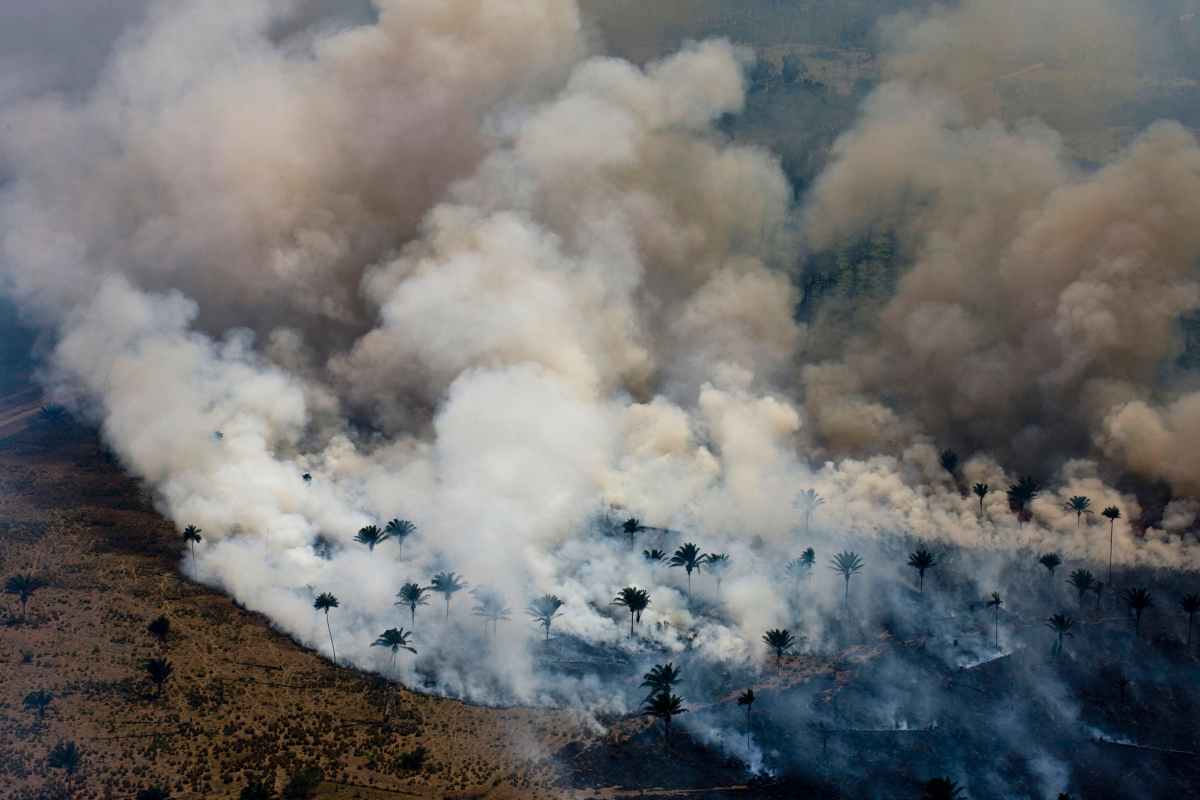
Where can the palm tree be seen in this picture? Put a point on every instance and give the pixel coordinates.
(634, 599)
(324, 547)
(949, 461)
(395, 639)
(1021, 494)
(544, 609)
(1113, 513)
(654, 556)
(38, 702)
(661, 679)
(747, 699)
(490, 605)
(921, 561)
(942, 789)
(1190, 603)
(781, 641)
(159, 671)
(691, 559)
(412, 595)
(847, 564)
(160, 629)
(23, 586)
(400, 529)
(324, 602)
(153, 793)
(664, 706)
(191, 535)
(1138, 600)
(1079, 505)
(718, 565)
(1061, 624)
(808, 502)
(371, 536)
(1083, 581)
(447, 584)
(981, 490)
(1051, 561)
(994, 603)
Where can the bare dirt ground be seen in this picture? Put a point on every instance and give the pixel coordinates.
(244, 702)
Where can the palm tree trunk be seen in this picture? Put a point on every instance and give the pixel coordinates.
(547, 631)
(689, 574)
(329, 628)
(1189, 642)
(630, 624)
(447, 617)
(997, 626)
(413, 614)
(1111, 525)
(747, 727)
(846, 596)
(981, 506)
(922, 581)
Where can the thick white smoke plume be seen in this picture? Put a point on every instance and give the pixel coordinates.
(460, 270)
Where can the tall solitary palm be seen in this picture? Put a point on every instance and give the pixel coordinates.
(447, 584)
(1113, 513)
(981, 490)
(807, 503)
(781, 642)
(191, 535)
(1061, 624)
(799, 569)
(1021, 494)
(324, 602)
(400, 529)
(1190, 603)
(1083, 581)
(949, 461)
(747, 699)
(847, 564)
(410, 596)
(1079, 505)
(691, 559)
(665, 707)
(544, 609)
(23, 586)
(920, 561)
(718, 565)
(490, 605)
(159, 671)
(1051, 561)
(634, 599)
(371, 536)
(661, 678)
(994, 603)
(395, 639)
(1138, 600)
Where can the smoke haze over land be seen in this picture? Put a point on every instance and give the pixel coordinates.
(462, 268)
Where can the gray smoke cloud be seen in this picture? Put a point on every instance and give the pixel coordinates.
(463, 270)
(1043, 298)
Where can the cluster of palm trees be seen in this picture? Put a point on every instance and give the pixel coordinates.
(662, 703)
(397, 530)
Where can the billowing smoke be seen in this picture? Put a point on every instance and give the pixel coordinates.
(458, 269)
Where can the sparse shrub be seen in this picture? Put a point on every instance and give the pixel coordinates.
(303, 784)
(64, 756)
(153, 793)
(413, 760)
(257, 790)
